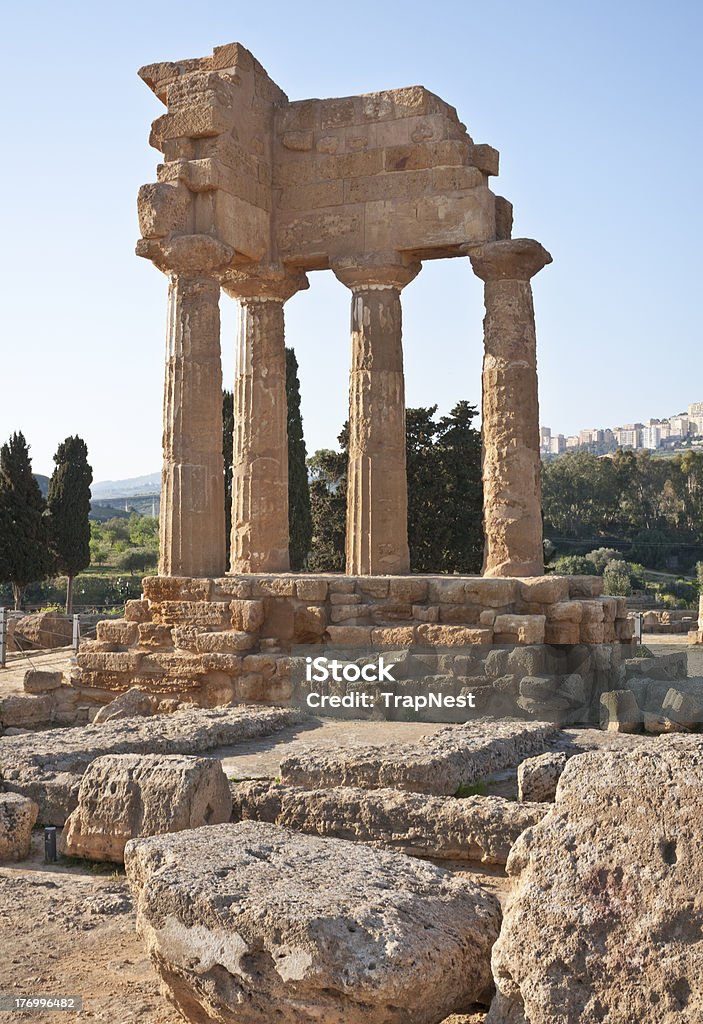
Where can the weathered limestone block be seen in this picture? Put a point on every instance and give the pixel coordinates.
(309, 623)
(620, 711)
(311, 590)
(123, 796)
(524, 629)
(247, 616)
(585, 586)
(137, 611)
(250, 921)
(481, 828)
(17, 817)
(511, 470)
(153, 635)
(38, 681)
(545, 589)
(491, 592)
(377, 500)
(41, 631)
(684, 708)
(603, 920)
(349, 636)
(192, 613)
(450, 636)
(132, 704)
(24, 709)
(537, 777)
(440, 764)
(117, 631)
(47, 766)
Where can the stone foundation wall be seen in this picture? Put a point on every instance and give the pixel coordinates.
(212, 641)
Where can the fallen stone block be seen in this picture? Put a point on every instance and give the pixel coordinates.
(254, 923)
(537, 777)
(123, 796)
(48, 766)
(38, 681)
(23, 709)
(459, 755)
(684, 708)
(134, 703)
(607, 924)
(478, 828)
(17, 817)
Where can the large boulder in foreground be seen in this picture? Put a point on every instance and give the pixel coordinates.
(123, 796)
(251, 923)
(605, 920)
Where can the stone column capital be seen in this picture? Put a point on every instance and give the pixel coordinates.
(264, 284)
(189, 255)
(514, 259)
(359, 275)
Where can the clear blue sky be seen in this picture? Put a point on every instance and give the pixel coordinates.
(595, 108)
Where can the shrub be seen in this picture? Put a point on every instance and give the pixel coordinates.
(616, 579)
(601, 556)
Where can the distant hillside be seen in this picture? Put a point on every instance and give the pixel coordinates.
(43, 482)
(149, 484)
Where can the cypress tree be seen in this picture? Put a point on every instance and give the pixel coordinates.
(25, 556)
(228, 455)
(458, 448)
(299, 514)
(69, 509)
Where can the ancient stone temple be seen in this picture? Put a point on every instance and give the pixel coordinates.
(254, 192)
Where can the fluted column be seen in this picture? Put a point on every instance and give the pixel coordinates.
(510, 412)
(377, 486)
(259, 538)
(192, 520)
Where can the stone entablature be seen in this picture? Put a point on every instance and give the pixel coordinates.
(256, 191)
(232, 638)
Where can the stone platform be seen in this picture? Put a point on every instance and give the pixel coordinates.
(212, 641)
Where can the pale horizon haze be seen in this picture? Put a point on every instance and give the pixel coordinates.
(595, 109)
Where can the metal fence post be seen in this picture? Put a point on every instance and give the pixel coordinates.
(76, 632)
(3, 636)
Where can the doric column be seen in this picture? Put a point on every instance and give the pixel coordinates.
(259, 538)
(510, 421)
(377, 486)
(192, 522)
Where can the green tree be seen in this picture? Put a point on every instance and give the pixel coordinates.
(25, 556)
(68, 510)
(616, 579)
(137, 560)
(228, 456)
(601, 556)
(461, 503)
(299, 512)
(328, 503)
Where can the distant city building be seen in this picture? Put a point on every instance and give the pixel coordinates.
(695, 418)
(668, 433)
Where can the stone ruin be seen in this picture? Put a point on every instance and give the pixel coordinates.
(254, 192)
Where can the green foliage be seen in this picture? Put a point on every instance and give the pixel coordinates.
(445, 493)
(652, 507)
(299, 511)
(572, 565)
(25, 555)
(601, 556)
(68, 510)
(328, 505)
(137, 560)
(445, 496)
(616, 579)
(228, 455)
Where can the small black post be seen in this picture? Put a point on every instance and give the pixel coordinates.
(50, 844)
